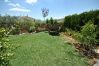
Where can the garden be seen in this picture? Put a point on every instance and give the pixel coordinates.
(25, 41)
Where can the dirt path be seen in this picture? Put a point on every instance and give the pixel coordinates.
(68, 38)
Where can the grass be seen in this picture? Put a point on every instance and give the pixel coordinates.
(41, 49)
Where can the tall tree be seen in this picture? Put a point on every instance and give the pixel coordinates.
(45, 12)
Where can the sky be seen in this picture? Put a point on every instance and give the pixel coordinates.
(57, 8)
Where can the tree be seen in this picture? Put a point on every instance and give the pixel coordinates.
(51, 20)
(55, 21)
(47, 21)
(45, 12)
(76, 21)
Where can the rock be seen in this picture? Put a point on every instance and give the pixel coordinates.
(97, 50)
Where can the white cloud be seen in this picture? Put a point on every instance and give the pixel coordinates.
(15, 5)
(19, 9)
(31, 1)
(7, 1)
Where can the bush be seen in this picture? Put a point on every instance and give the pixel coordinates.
(53, 26)
(86, 38)
(4, 48)
(31, 29)
(88, 34)
(53, 29)
(15, 31)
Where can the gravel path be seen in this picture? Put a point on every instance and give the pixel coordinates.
(97, 62)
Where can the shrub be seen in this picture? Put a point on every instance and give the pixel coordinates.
(15, 31)
(54, 29)
(87, 39)
(53, 26)
(31, 29)
(88, 34)
(4, 48)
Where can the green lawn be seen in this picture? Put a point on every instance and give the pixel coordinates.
(41, 49)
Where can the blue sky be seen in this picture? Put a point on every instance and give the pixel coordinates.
(57, 8)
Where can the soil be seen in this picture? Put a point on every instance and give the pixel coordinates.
(68, 38)
(89, 53)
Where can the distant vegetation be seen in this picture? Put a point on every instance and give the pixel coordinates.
(19, 24)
